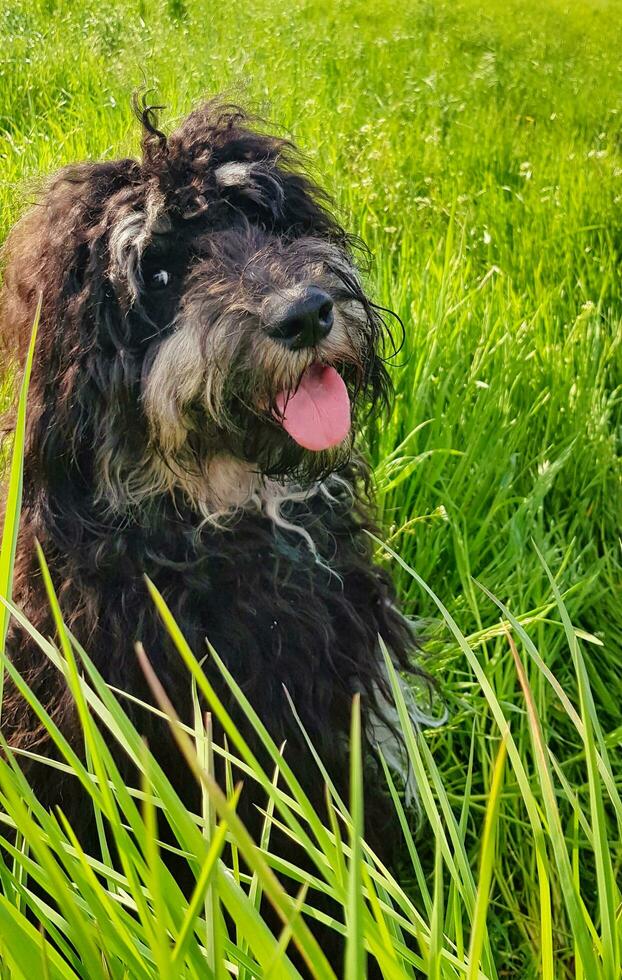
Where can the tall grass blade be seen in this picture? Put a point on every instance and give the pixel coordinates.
(13, 492)
(487, 862)
(355, 956)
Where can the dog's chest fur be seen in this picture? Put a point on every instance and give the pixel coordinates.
(295, 602)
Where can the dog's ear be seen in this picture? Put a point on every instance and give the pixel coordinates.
(59, 252)
(52, 250)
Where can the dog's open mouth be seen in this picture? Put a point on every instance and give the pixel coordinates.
(317, 413)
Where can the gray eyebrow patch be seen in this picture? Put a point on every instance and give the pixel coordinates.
(234, 174)
(256, 179)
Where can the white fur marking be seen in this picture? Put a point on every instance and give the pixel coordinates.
(253, 179)
(127, 242)
(234, 174)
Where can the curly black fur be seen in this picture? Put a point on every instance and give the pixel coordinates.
(145, 391)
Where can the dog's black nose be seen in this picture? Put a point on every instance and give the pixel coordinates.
(302, 321)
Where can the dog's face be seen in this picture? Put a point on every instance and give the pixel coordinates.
(226, 313)
(262, 342)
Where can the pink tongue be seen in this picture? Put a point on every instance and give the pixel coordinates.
(317, 414)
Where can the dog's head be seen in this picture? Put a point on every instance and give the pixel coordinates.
(200, 304)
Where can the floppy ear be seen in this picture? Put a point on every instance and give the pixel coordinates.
(49, 251)
(59, 251)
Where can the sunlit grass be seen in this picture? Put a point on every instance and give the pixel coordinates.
(478, 150)
(131, 919)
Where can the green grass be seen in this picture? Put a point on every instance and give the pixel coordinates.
(478, 149)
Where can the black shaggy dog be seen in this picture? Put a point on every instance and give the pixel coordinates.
(205, 348)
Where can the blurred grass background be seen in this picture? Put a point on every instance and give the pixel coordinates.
(478, 150)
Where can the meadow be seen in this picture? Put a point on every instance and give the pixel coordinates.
(477, 148)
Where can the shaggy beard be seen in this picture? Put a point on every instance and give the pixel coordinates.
(277, 456)
(234, 410)
(257, 437)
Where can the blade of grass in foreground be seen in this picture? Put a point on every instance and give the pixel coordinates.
(254, 891)
(14, 494)
(355, 946)
(157, 927)
(436, 927)
(25, 950)
(486, 866)
(203, 738)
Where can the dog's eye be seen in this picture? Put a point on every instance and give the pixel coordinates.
(160, 279)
